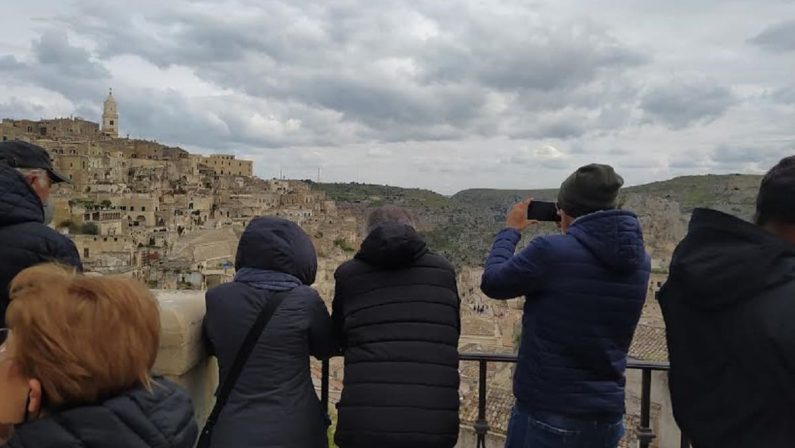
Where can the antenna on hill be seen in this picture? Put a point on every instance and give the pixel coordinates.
(318, 175)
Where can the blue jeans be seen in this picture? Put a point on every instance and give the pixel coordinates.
(547, 430)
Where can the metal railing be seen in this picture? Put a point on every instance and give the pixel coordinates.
(644, 432)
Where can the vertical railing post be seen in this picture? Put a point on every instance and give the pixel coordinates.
(645, 433)
(324, 378)
(481, 425)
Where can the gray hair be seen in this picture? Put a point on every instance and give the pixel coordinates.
(39, 172)
(389, 214)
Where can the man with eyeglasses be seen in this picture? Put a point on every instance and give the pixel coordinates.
(26, 179)
(584, 294)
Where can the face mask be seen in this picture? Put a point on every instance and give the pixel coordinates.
(49, 211)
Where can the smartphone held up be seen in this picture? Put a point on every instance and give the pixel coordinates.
(543, 211)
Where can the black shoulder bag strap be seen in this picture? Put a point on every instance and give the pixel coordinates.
(237, 367)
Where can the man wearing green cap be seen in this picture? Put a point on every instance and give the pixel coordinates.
(584, 292)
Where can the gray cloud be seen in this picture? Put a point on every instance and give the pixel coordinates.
(759, 156)
(54, 49)
(681, 104)
(779, 38)
(784, 95)
(58, 66)
(19, 107)
(393, 71)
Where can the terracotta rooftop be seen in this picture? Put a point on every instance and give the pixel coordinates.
(649, 344)
(498, 409)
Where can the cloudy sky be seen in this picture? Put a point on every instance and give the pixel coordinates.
(444, 95)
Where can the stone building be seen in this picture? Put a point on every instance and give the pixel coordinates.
(55, 128)
(105, 253)
(226, 165)
(110, 117)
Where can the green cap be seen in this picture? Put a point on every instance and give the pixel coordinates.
(591, 188)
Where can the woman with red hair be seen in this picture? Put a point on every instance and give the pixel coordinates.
(75, 362)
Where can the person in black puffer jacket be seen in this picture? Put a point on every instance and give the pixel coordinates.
(273, 403)
(75, 363)
(396, 316)
(26, 176)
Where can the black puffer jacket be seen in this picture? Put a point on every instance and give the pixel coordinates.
(162, 418)
(274, 403)
(396, 311)
(24, 240)
(729, 307)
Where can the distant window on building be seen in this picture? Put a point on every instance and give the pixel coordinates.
(132, 209)
(111, 122)
(143, 209)
(85, 252)
(30, 128)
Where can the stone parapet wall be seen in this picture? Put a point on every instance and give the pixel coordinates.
(182, 357)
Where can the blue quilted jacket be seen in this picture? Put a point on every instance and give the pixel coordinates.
(585, 292)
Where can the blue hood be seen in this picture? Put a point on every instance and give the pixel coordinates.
(614, 237)
(276, 244)
(18, 202)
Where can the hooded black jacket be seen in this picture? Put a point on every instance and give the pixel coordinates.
(162, 418)
(273, 403)
(396, 311)
(729, 308)
(24, 240)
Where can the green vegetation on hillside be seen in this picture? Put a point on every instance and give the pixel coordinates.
(461, 227)
(378, 195)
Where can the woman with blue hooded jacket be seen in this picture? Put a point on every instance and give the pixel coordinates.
(273, 402)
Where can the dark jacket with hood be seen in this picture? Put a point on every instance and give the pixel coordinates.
(274, 403)
(24, 240)
(160, 418)
(584, 295)
(729, 308)
(396, 311)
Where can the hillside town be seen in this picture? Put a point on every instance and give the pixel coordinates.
(160, 214)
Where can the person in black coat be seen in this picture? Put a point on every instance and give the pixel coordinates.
(26, 177)
(729, 307)
(273, 403)
(396, 316)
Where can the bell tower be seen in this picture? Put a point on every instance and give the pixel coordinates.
(110, 117)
